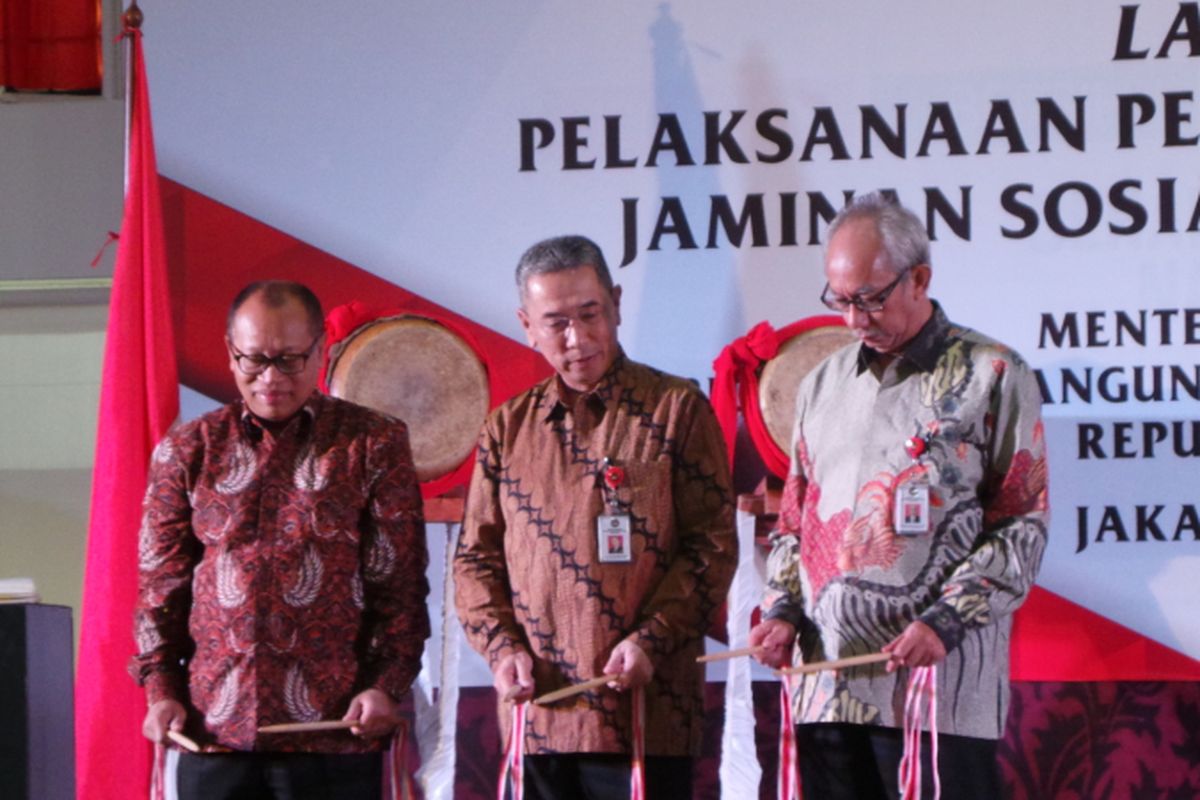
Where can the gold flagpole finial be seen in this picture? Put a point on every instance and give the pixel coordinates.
(133, 16)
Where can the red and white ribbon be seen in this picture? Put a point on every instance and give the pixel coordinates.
(637, 771)
(513, 766)
(158, 773)
(921, 696)
(512, 769)
(400, 785)
(787, 783)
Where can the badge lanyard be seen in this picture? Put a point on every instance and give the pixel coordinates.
(911, 498)
(614, 537)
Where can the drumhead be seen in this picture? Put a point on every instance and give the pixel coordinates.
(423, 373)
(782, 374)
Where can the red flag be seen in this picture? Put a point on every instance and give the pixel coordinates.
(139, 399)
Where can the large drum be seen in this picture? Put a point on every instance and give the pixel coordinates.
(767, 392)
(423, 373)
(781, 375)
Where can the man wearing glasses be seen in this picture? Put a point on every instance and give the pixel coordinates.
(913, 521)
(281, 572)
(597, 540)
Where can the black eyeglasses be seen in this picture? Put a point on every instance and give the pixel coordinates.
(868, 304)
(285, 363)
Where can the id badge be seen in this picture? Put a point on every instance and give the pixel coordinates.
(912, 508)
(613, 538)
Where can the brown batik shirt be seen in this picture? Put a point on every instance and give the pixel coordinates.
(527, 570)
(280, 574)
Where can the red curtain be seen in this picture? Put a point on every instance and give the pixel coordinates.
(50, 45)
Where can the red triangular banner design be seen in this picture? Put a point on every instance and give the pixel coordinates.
(1055, 639)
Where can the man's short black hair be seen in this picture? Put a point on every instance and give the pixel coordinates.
(276, 294)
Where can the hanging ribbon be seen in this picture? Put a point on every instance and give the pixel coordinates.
(513, 767)
(921, 695)
(735, 383)
(637, 772)
(158, 773)
(512, 771)
(399, 781)
(787, 785)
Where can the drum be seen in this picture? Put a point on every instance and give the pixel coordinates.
(423, 373)
(804, 345)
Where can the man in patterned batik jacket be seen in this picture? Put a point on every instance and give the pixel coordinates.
(598, 539)
(913, 521)
(282, 572)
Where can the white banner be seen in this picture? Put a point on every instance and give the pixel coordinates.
(1052, 147)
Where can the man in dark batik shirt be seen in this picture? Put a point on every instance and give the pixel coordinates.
(282, 572)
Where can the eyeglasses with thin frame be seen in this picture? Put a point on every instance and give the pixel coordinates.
(284, 363)
(868, 304)
(558, 324)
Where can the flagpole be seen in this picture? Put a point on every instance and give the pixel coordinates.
(131, 19)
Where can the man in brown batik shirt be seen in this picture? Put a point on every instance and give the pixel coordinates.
(598, 539)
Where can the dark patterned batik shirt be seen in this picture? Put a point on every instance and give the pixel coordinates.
(841, 573)
(280, 574)
(527, 570)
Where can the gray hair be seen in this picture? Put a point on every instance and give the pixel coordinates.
(904, 238)
(562, 253)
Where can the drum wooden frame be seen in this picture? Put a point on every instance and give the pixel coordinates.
(781, 376)
(419, 371)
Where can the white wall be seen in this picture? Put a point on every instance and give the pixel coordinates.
(60, 194)
(49, 384)
(60, 186)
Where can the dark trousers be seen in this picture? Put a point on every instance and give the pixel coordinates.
(860, 762)
(280, 776)
(601, 776)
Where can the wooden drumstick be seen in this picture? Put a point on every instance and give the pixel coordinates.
(841, 663)
(183, 741)
(309, 727)
(728, 654)
(578, 688)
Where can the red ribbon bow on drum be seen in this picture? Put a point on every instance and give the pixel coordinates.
(736, 383)
(345, 322)
(738, 364)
